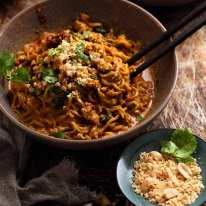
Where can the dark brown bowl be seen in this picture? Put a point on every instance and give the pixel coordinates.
(120, 15)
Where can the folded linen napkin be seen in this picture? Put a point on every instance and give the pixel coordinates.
(58, 185)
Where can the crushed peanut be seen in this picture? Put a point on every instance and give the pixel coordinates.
(161, 180)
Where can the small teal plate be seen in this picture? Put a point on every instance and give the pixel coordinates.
(145, 143)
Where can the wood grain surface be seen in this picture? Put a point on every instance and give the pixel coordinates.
(187, 108)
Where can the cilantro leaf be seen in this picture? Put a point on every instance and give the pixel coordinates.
(58, 135)
(101, 30)
(185, 141)
(7, 61)
(185, 160)
(168, 147)
(80, 52)
(20, 75)
(48, 75)
(50, 79)
(182, 145)
(53, 52)
(140, 117)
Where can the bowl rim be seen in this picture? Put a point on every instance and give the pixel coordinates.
(166, 4)
(121, 136)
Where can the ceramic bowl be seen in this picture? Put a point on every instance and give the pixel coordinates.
(165, 2)
(146, 143)
(121, 15)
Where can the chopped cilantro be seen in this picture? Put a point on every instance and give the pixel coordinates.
(58, 135)
(8, 75)
(20, 75)
(140, 117)
(56, 51)
(50, 79)
(52, 52)
(48, 75)
(80, 52)
(7, 61)
(101, 30)
(182, 145)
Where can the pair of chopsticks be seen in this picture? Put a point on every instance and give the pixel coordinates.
(165, 36)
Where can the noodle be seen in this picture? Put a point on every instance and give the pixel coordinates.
(79, 83)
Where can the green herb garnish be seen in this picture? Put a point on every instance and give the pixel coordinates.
(182, 145)
(101, 30)
(58, 135)
(168, 147)
(140, 117)
(48, 75)
(56, 51)
(52, 52)
(20, 75)
(50, 79)
(80, 52)
(7, 61)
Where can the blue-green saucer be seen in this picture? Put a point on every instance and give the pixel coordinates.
(149, 142)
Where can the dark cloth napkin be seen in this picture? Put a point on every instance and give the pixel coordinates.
(58, 185)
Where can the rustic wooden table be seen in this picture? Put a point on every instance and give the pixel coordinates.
(186, 109)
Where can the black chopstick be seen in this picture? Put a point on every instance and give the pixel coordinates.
(176, 41)
(167, 34)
